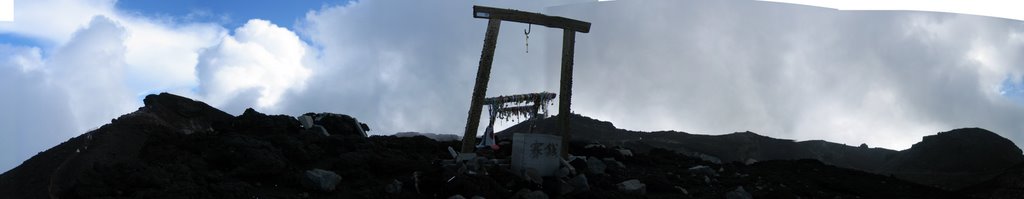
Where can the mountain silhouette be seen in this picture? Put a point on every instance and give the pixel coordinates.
(950, 160)
(175, 147)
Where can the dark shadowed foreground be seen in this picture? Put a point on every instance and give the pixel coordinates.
(175, 147)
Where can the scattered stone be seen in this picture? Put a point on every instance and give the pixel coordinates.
(477, 197)
(322, 180)
(457, 196)
(567, 165)
(579, 183)
(580, 164)
(416, 180)
(750, 161)
(563, 172)
(633, 186)
(615, 163)
(595, 166)
(703, 170)
(454, 154)
(339, 124)
(682, 190)
(394, 187)
(533, 176)
(565, 187)
(535, 195)
(625, 152)
(739, 193)
(594, 145)
(706, 157)
(319, 130)
(306, 121)
(433, 136)
(476, 165)
(521, 193)
(465, 156)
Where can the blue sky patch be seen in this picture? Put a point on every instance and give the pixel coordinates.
(1012, 90)
(19, 40)
(230, 13)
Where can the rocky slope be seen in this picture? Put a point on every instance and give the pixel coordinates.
(1007, 185)
(950, 160)
(174, 147)
(955, 159)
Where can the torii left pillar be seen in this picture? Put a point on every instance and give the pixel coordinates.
(495, 16)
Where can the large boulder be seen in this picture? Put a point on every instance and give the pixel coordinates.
(184, 114)
(579, 183)
(595, 165)
(956, 159)
(703, 170)
(535, 195)
(633, 186)
(738, 193)
(339, 124)
(321, 180)
(253, 122)
(395, 187)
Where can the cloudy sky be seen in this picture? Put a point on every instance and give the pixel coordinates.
(885, 78)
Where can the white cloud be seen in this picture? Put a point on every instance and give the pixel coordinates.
(32, 119)
(92, 64)
(261, 56)
(993, 8)
(163, 57)
(90, 70)
(54, 21)
(882, 78)
(409, 66)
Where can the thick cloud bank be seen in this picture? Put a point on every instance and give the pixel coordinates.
(261, 61)
(884, 78)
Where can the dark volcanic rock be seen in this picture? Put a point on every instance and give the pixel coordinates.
(320, 180)
(739, 147)
(956, 159)
(175, 147)
(436, 137)
(339, 124)
(182, 113)
(178, 147)
(1007, 185)
(72, 167)
(949, 160)
(813, 179)
(252, 122)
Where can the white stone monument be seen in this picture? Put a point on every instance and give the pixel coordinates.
(541, 152)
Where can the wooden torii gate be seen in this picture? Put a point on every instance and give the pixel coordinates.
(495, 16)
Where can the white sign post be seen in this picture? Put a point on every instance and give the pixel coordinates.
(541, 152)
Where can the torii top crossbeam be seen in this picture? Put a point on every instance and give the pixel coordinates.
(495, 16)
(530, 18)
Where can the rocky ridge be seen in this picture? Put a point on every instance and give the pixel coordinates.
(951, 160)
(175, 147)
